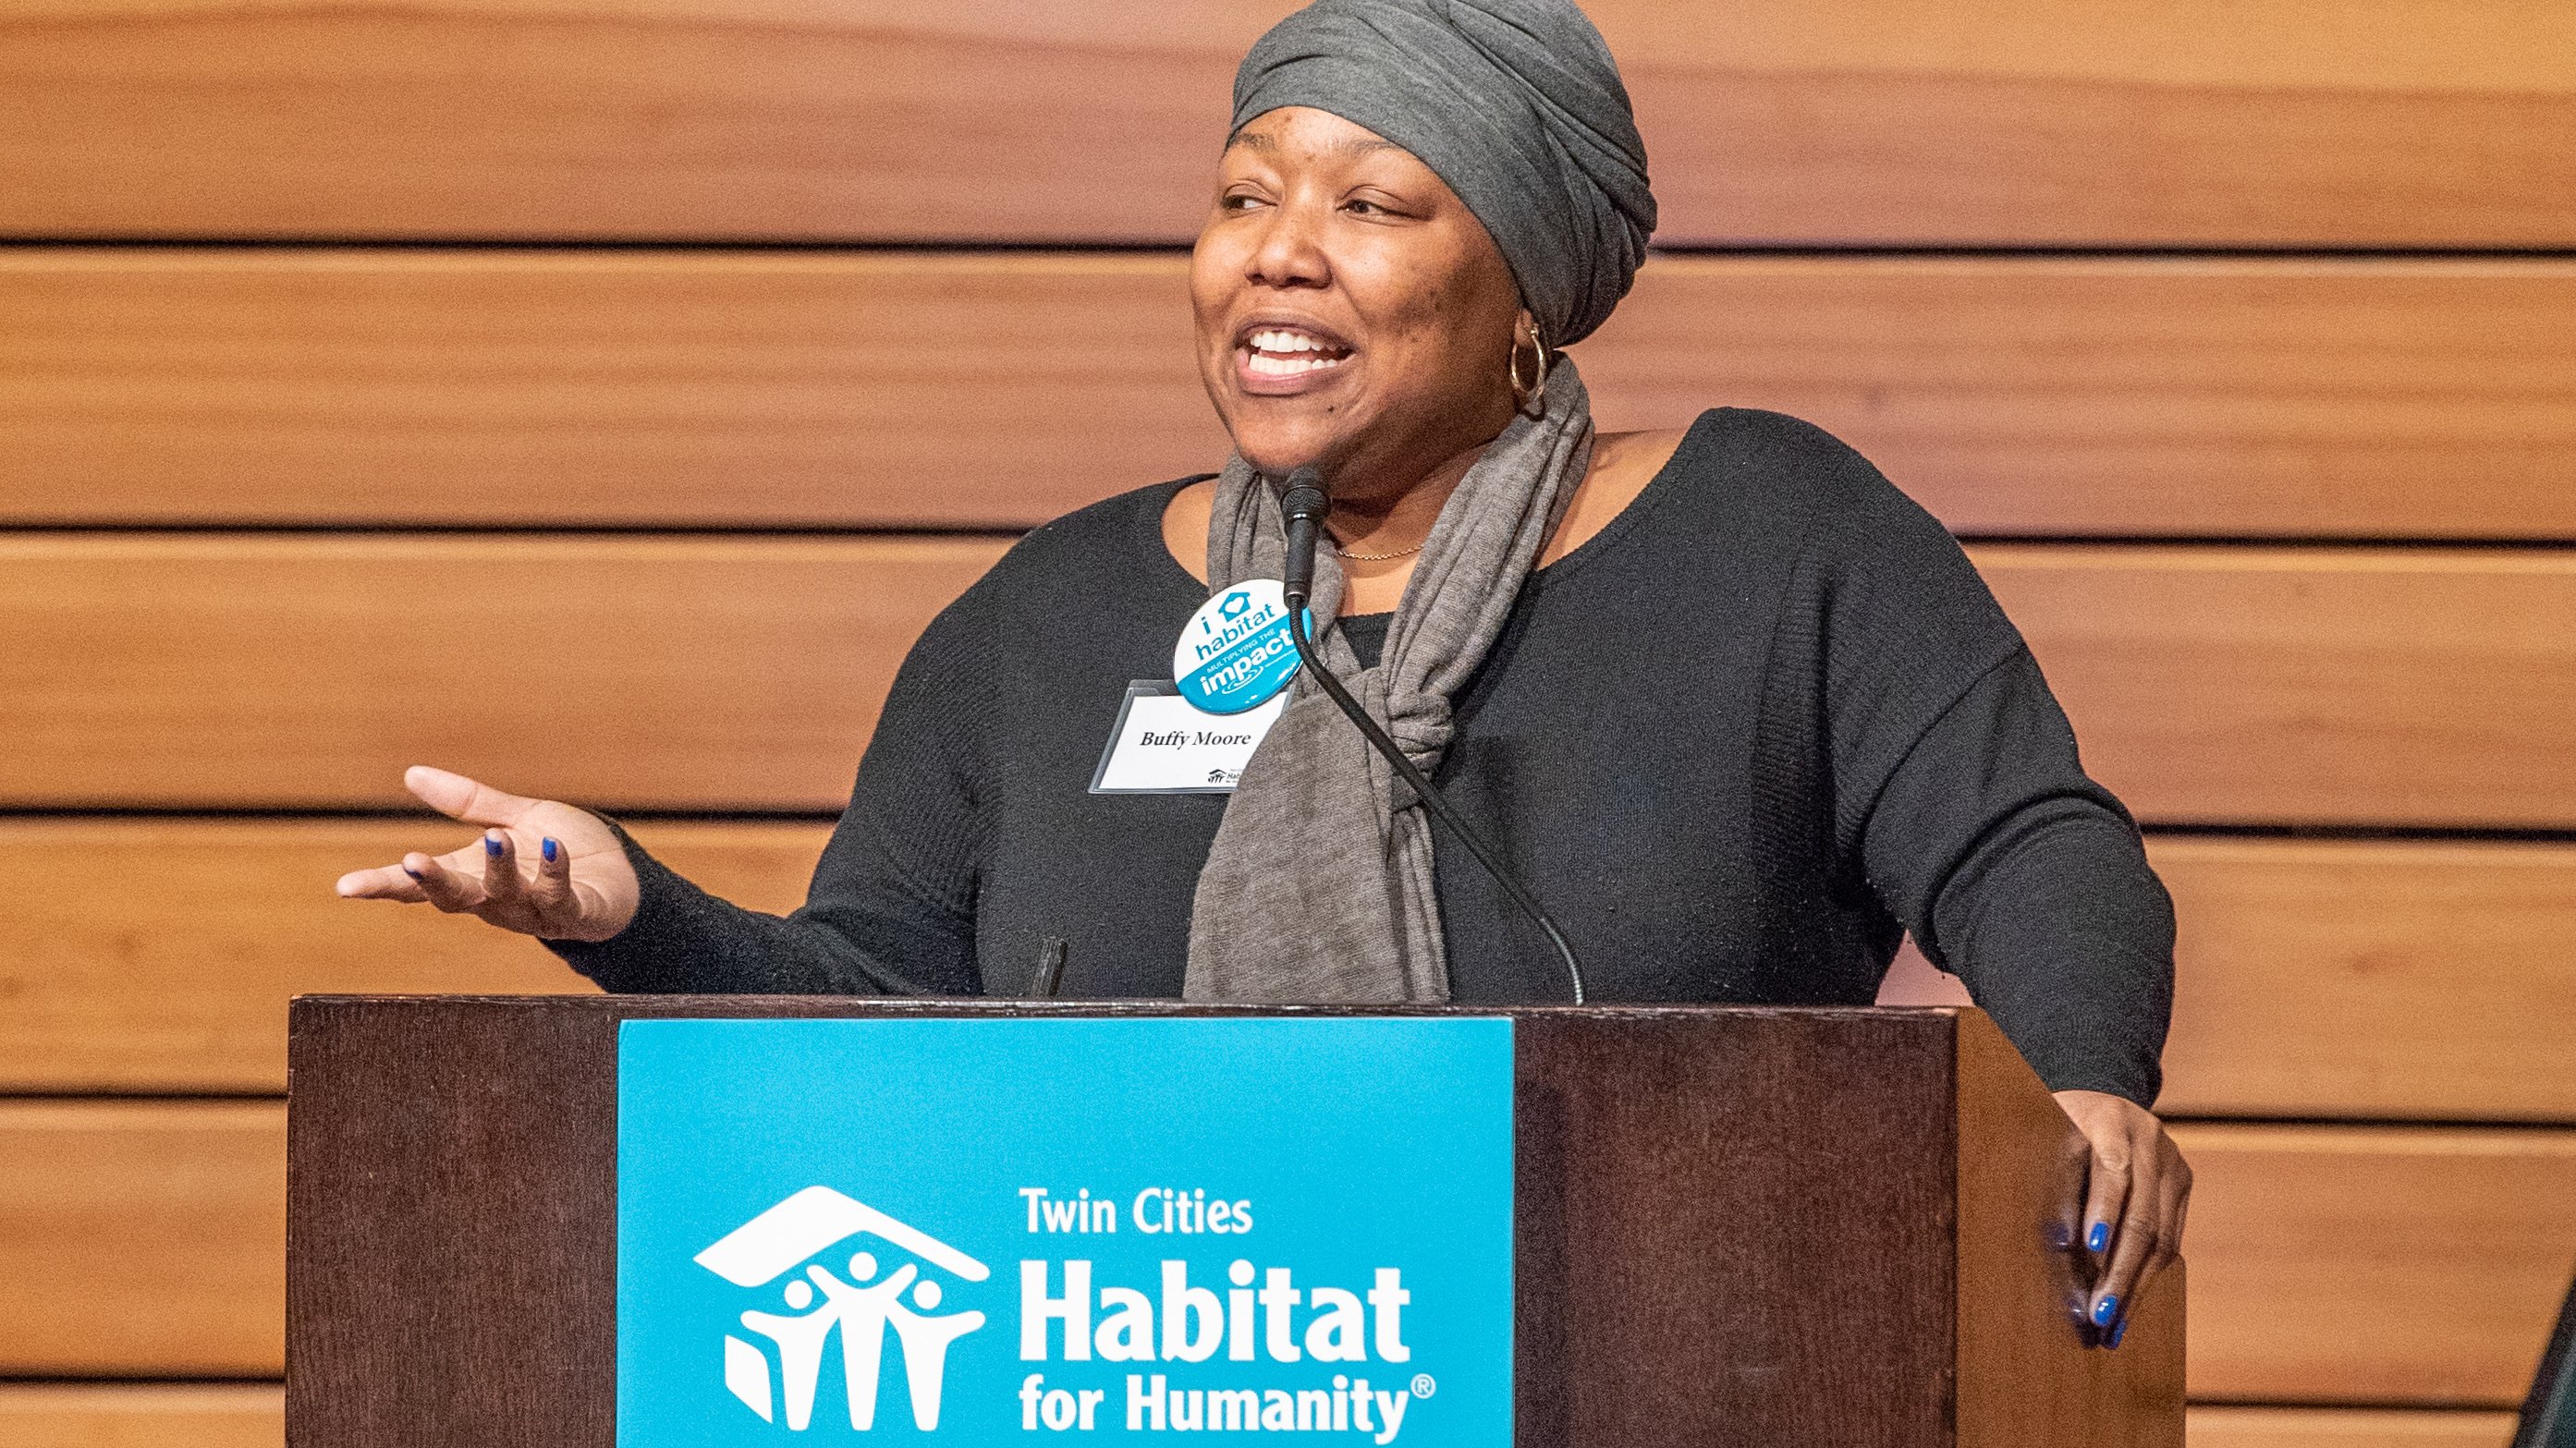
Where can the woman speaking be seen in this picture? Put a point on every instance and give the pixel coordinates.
(1739, 712)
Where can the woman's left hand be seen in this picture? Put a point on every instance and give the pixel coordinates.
(2138, 1188)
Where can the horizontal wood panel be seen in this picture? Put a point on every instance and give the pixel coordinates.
(142, 1415)
(223, 671)
(2329, 1265)
(2437, 959)
(2371, 979)
(2315, 686)
(2428, 687)
(159, 955)
(2139, 398)
(2344, 1428)
(2027, 396)
(2369, 121)
(142, 1238)
(532, 388)
(2037, 121)
(2361, 1265)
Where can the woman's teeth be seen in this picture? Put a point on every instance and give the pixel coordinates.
(1266, 365)
(1286, 354)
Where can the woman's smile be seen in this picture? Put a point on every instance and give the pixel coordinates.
(1275, 358)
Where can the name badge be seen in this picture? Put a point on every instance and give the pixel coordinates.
(1164, 744)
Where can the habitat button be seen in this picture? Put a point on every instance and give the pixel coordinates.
(1235, 652)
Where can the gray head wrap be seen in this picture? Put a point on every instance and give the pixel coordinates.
(1516, 104)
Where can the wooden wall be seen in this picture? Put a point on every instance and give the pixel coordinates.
(599, 397)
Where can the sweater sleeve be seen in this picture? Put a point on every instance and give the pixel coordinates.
(891, 910)
(2015, 870)
(1959, 793)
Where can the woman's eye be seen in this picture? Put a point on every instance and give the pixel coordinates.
(1237, 201)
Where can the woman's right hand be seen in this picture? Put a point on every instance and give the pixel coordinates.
(580, 887)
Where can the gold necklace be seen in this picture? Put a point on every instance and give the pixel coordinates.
(1343, 552)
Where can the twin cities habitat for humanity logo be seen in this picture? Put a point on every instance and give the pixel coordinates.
(994, 1230)
(860, 1310)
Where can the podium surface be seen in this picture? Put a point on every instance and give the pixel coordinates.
(1729, 1225)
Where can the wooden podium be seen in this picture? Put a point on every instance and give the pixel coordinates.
(1779, 1228)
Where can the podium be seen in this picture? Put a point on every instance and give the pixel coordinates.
(1729, 1225)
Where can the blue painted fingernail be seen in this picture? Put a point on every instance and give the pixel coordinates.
(2060, 1236)
(549, 848)
(2105, 1310)
(415, 874)
(492, 844)
(2099, 1237)
(2119, 1330)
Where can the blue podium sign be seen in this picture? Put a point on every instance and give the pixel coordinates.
(988, 1231)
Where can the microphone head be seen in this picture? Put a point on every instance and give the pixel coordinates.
(1302, 495)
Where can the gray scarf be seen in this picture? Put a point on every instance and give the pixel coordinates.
(1319, 885)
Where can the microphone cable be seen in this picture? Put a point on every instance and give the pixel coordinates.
(1303, 504)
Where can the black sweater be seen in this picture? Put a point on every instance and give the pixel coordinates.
(1765, 722)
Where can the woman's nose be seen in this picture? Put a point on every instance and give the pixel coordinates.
(1289, 253)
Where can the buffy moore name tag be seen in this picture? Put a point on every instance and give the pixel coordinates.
(1164, 744)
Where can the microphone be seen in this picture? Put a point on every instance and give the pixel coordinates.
(1302, 503)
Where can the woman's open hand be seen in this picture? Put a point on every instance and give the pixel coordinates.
(578, 884)
(2137, 1191)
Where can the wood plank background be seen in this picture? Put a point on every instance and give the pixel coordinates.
(2404, 687)
(265, 670)
(2376, 1265)
(144, 955)
(159, 955)
(2237, 333)
(2379, 979)
(2345, 1428)
(690, 389)
(101, 1415)
(142, 1239)
(2228, 685)
(2006, 122)
(2014, 396)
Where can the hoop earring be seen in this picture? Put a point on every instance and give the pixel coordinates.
(1531, 396)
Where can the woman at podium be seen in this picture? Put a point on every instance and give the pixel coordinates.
(1737, 711)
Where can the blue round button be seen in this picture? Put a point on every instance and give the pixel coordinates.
(1235, 652)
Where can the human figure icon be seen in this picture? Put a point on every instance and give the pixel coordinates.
(862, 1312)
(925, 1348)
(800, 1347)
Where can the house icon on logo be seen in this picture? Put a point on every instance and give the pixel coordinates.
(819, 1302)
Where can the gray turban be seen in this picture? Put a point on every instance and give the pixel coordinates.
(1516, 104)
